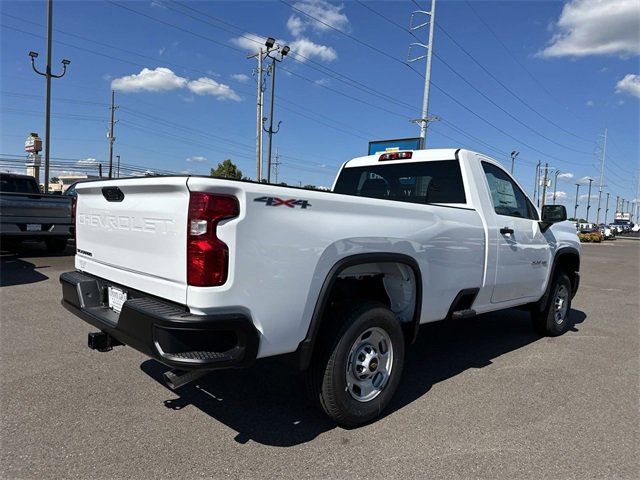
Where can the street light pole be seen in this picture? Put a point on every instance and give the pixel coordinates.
(514, 155)
(575, 210)
(589, 199)
(48, 75)
(283, 53)
(555, 185)
(118, 157)
(606, 211)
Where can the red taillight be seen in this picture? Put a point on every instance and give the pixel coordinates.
(74, 201)
(395, 156)
(207, 255)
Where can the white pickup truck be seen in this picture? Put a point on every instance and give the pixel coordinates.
(203, 273)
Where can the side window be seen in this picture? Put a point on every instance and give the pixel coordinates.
(507, 197)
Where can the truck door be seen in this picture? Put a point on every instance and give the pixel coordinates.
(523, 254)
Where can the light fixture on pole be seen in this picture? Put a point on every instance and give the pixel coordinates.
(283, 51)
(48, 75)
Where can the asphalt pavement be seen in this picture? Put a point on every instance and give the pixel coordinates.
(480, 398)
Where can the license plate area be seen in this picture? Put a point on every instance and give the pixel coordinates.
(116, 298)
(34, 227)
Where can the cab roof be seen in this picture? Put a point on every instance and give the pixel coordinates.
(417, 156)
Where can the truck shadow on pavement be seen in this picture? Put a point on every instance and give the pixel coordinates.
(14, 271)
(267, 404)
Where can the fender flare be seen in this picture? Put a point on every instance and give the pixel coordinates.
(306, 346)
(559, 253)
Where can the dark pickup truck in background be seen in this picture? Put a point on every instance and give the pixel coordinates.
(27, 214)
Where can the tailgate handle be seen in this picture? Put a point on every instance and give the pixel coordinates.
(112, 194)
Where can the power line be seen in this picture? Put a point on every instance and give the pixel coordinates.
(515, 59)
(491, 75)
(515, 95)
(509, 114)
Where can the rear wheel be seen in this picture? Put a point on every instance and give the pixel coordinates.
(56, 245)
(357, 368)
(553, 319)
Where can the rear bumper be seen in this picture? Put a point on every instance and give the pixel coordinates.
(162, 330)
(19, 230)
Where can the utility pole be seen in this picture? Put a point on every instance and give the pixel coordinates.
(555, 185)
(604, 154)
(48, 75)
(118, 157)
(514, 155)
(425, 118)
(259, 107)
(575, 209)
(544, 185)
(272, 71)
(606, 211)
(536, 184)
(617, 203)
(100, 170)
(110, 134)
(276, 164)
(589, 199)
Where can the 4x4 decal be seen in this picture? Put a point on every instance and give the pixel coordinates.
(276, 202)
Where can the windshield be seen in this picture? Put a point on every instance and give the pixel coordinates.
(414, 182)
(18, 185)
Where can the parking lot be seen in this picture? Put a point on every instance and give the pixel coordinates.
(480, 398)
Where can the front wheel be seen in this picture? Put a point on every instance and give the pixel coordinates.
(357, 369)
(553, 319)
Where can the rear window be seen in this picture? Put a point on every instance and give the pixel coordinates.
(18, 185)
(416, 182)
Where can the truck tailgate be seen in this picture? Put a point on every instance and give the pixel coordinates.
(26, 208)
(133, 232)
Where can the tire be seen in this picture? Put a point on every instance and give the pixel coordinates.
(56, 245)
(553, 319)
(367, 341)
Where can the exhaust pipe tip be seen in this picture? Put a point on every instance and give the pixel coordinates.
(175, 379)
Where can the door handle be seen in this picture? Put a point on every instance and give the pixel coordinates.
(506, 231)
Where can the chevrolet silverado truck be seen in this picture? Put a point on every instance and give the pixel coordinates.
(27, 214)
(203, 273)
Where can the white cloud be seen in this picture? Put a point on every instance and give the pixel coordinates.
(590, 103)
(163, 79)
(325, 12)
(301, 46)
(208, 86)
(240, 77)
(161, 50)
(309, 49)
(249, 41)
(322, 81)
(158, 4)
(197, 158)
(596, 27)
(87, 161)
(565, 176)
(295, 25)
(584, 181)
(157, 80)
(629, 84)
(560, 196)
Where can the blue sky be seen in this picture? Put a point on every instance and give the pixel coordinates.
(186, 94)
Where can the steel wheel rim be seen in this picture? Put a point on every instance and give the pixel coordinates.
(560, 304)
(369, 364)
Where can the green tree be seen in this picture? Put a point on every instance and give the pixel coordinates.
(227, 169)
(54, 180)
(310, 187)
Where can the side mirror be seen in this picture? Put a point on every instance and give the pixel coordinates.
(552, 214)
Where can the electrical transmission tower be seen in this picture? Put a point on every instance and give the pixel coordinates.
(425, 118)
